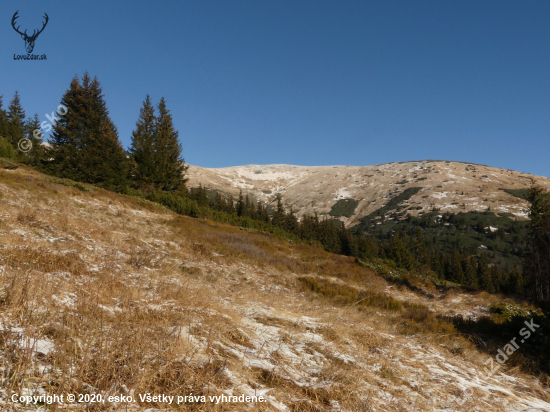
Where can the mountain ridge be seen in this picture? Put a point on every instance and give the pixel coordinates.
(444, 185)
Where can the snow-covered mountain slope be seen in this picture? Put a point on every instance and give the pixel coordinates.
(449, 186)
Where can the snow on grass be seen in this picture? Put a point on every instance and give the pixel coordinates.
(342, 193)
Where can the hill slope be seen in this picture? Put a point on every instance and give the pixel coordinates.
(106, 294)
(353, 192)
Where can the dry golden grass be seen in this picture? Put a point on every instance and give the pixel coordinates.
(101, 293)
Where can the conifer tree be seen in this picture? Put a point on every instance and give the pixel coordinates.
(3, 120)
(537, 260)
(278, 218)
(250, 209)
(348, 244)
(419, 247)
(171, 165)
(240, 204)
(16, 121)
(199, 195)
(291, 222)
(36, 154)
(143, 154)
(230, 204)
(85, 145)
(6, 149)
(262, 213)
(453, 268)
(470, 272)
(484, 275)
(399, 251)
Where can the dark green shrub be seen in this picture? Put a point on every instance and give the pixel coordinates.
(344, 207)
(6, 150)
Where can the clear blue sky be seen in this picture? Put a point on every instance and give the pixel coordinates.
(305, 82)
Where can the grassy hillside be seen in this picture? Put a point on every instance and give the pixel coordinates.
(112, 295)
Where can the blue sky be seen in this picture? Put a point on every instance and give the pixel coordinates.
(304, 82)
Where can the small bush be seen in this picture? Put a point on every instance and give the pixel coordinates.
(71, 183)
(505, 312)
(6, 150)
(8, 164)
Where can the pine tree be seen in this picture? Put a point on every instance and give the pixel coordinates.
(484, 275)
(537, 260)
(291, 222)
(199, 195)
(143, 154)
(171, 165)
(16, 121)
(399, 251)
(261, 213)
(37, 152)
(3, 120)
(453, 268)
(348, 243)
(240, 204)
(419, 248)
(66, 143)
(470, 272)
(85, 140)
(278, 218)
(249, 208)
(230, 205)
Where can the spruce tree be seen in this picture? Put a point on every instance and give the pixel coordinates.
(262, 213)
(484, 274)
(16, 121)
(291, 222)
(199, 195)
(36, 154)
(419, 248)
(171, 166)
(537, 261)
(240, 204)
(470, 272)
(85, 140)
(66, 143)
(278, 218)
(3, 120)
(143, 154)
(250, 209)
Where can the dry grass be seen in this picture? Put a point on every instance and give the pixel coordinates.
(102, 293)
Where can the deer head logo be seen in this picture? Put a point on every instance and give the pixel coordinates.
(29, 40)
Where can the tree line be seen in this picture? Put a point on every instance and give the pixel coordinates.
(15, 126)
(85, 147)
(414, 253)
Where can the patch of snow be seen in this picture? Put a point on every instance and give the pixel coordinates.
(342, 193)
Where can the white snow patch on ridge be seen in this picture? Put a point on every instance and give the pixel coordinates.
(342, 193)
